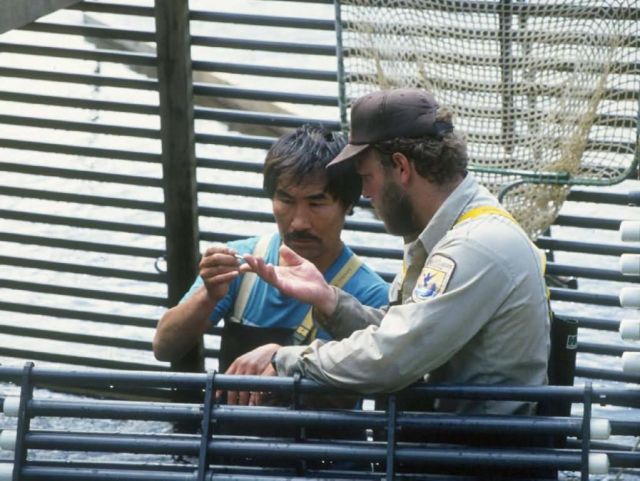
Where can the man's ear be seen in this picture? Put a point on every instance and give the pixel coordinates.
(402, 166)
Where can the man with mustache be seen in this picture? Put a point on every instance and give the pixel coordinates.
(309, 204)
(469, 305)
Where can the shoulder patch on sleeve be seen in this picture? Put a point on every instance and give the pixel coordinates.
(434, 278)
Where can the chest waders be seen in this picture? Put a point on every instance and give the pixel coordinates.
(239, 338)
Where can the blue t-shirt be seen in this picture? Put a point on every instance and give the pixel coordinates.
(268, 307)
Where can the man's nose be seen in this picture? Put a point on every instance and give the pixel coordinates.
(301, 220)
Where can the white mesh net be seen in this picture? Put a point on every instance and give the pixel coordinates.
(544, 90)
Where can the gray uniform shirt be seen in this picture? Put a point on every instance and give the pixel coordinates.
(483, 320)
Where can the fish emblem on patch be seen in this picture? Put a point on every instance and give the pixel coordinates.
(434, 278)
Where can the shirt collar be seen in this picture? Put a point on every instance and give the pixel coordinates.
(449, 212)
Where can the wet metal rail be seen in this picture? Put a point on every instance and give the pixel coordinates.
(224, 456)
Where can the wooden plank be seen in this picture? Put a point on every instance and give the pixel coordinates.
(17, 13)
(178, 155)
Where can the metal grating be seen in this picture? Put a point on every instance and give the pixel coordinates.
(82, 230)
(81, 191)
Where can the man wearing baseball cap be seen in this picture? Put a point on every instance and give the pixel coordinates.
(469, 305)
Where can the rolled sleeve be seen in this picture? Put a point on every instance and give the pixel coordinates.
(349, 316)
(286, 359)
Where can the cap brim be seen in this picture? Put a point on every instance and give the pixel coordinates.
(349, 152)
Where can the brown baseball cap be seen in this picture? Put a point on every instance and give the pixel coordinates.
(389, 114)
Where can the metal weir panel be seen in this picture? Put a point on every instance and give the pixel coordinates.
(81, 199)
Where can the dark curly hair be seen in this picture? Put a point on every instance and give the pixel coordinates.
(437, 159)
(304, 154)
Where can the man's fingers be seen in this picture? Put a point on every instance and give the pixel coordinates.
(243, 398)
(258, 265)
(289, 256)
(238, 398)
(214, 275)
(256, 398)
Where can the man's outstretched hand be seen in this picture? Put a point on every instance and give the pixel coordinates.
(253, 363)
(296, 277)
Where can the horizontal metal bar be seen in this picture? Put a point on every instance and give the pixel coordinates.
(50, 335)
(69, 472)
(628, 461)
(83, 199)
(78, 222)
(126, 250)
(80, 103)
(426, 422)
(263, 45)
(87, 79)
(259, 118)
(83, 269)
(227, 91)
(218, 237)
(262, 71)
(615, 396)
(211, 188)
(571, 295)
(130, 443)
(120, 8)
(262, 20)
(165, 444)
(127, 58)
(76, 360)
(595, 323)
(91, 31)
(625, 428)
(132, 410)
(554, 244)
(80, 150)
(228, 164)
(628, 198)
(83, 293)
(52, 311)
(80, 174)
(606, 375)
(589, 222)
(166, 467)
(589, 273)
(250, 141)
(92, 127)
(286, 417)
(606, 349)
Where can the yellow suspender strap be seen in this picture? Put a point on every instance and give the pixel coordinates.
(306, 330)
(484, 210)
(249, 280)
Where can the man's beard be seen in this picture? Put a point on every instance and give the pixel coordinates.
(396, 210)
